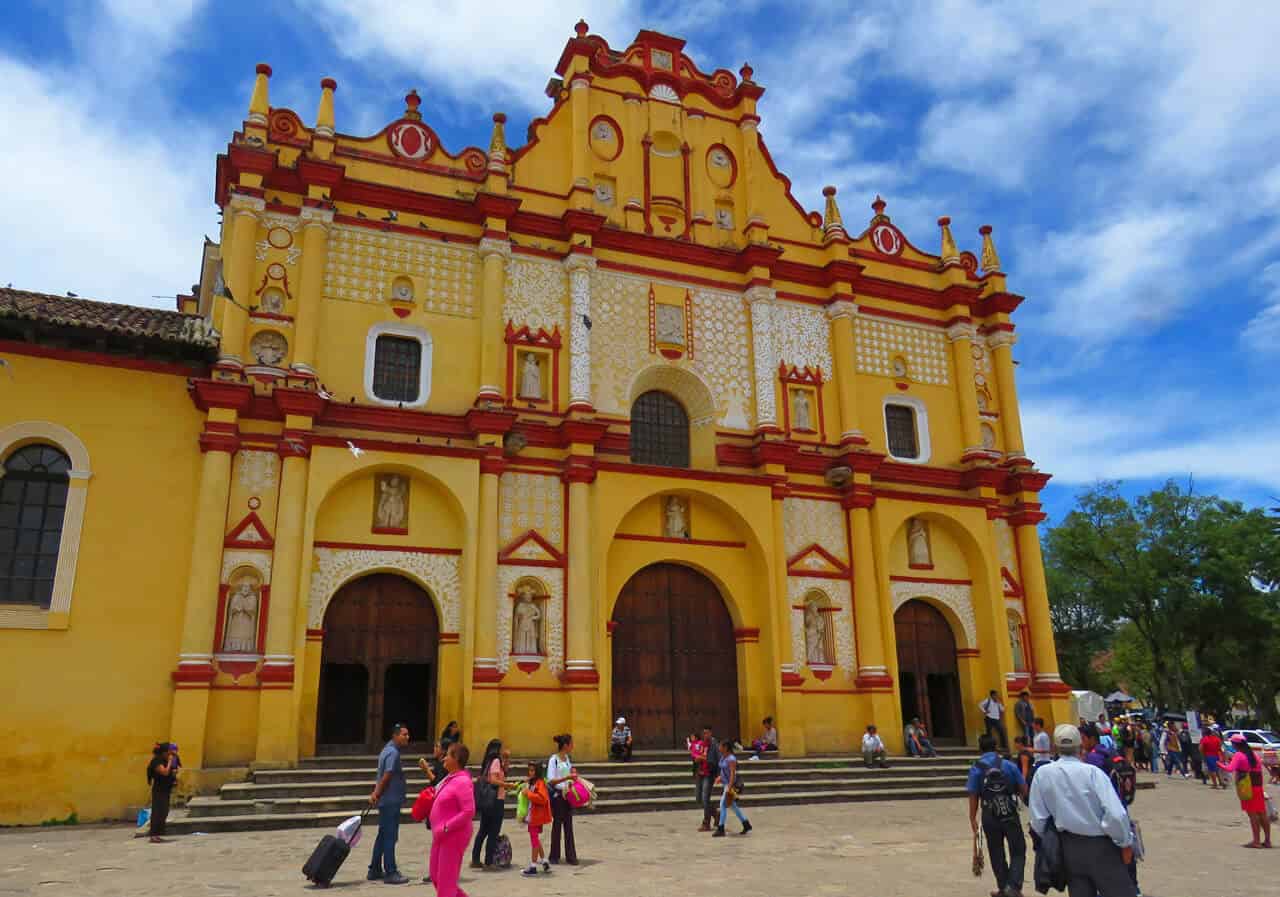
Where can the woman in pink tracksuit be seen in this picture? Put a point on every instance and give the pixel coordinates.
(451, 813)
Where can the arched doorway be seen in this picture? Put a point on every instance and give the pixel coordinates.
(675, 663)
(378, 664)
(928, 678)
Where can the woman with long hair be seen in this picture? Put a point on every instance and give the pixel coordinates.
(162, 774)
(490, 801)
(560, 773)
(729, 797)
(1248, 768)
(450, 734)
(451, 814)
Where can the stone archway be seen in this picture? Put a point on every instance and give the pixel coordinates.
(674, 662)
(928, 674)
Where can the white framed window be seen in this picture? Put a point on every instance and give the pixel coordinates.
(44, 484)
(397, 365)
(906, 429)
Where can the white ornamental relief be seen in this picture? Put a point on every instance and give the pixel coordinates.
(362, 264)
(246, 557)
(839, 597)
(553, 579)
(806, 522)
(803, 337)
(620, 332)
(530, 501)
(956, 597)
(257, 471)
(535, 294)
(925, 350)
(1004, 544)
(722, 356)
(336, 566)
(764, 355)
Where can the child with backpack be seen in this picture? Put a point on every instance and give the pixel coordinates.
(1124, 779)
(539, 815)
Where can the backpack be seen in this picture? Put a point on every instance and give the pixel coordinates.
(1124, 778)
(997, 793)
(502, 852)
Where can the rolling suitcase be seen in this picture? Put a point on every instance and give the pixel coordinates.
(326, 860)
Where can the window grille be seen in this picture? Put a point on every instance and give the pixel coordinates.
(900, 426)
(397, 368)
(33, 500)
(659, 431)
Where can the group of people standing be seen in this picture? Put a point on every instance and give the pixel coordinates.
(453, 798)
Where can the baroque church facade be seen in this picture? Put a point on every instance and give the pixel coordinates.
(526, 437)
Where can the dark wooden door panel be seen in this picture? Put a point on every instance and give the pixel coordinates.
(674, 657)
(927, 664)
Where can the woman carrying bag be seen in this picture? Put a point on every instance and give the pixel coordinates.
(451, 811)
(1248, 769)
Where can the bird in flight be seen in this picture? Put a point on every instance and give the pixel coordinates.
(356, 451)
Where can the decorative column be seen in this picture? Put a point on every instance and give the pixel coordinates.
(789, 678)
(872, 670)
(495, 253)
(580, 267)
(1031, 564)
(195, 671)
(316, 223)
(760, 299)
(238, 265)
(485, 663)
(842, 313)
(1001, 344)
(579, 98)
(962, 335)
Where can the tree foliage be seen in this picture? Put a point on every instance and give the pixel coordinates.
(1183, 589)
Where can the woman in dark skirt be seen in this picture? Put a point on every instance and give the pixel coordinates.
(162, 774)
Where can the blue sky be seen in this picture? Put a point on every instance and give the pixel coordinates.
(1128, 164)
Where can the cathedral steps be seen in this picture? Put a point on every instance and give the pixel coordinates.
(324, 791)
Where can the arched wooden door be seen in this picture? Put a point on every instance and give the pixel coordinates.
(928, 678)
(378, 664)
(675, 664)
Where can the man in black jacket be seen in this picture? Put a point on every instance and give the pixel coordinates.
(706, 770)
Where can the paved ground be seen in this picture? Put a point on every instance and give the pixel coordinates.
(853, 850)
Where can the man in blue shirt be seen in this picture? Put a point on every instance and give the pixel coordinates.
(996, 784)
(1094, 749)
(388, 796)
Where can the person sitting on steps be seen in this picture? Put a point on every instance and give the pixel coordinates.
(873, 753)
(917, 740)
(768, 740)
(620, 740)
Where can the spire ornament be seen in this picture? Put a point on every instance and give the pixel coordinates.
(832, 223)
(990, 261)
(950, 254)
(259, 104)
(324, 113)
(411, 103)
(877, 206)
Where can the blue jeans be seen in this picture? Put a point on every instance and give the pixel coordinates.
(1173, 759)
(725, 807)
(383, 861)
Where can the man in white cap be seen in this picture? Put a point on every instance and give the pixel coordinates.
(1097, 840)
(620, 740)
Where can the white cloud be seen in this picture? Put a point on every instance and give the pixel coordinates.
(1262, 333)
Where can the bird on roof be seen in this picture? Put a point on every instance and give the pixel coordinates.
(423, 225)
(360, 214)
(586, 322)
(391, 215)
(355, 450)
(72, 295)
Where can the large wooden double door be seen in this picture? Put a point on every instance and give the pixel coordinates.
(675, 664)
(378, 664)
(928, 677)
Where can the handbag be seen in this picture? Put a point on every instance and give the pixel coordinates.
(978, 861)
(1272, 813)
(421, 811)
(1244, 786)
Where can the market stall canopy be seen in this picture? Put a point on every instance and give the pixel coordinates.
(1119, 697)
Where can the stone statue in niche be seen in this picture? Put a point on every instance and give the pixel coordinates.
(899, 369)
(983, 401)
(724, 218)
(669, 324)
(526, 618)
(530, 377)
(268, 347)
(676, 518)
(800, 408)
(272, 302)
(391, 507)
(918, 553)
(1015, 644)
(240, 633)
(988, 437)
(815, 634)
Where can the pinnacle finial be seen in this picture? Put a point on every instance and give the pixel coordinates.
(990, 261)
(832, 223)
(950, 254)
(498, 141)
(259, 104)
(581, 28)
(746, 72)
(411, 103)
(877, 206)
(324, 113)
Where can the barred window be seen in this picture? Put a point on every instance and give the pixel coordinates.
(900, 427)
(659, 431)
(397, 368)
(33, 500)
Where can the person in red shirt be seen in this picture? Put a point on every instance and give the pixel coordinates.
(1211, 750)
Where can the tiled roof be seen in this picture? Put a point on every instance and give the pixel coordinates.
(109, 317)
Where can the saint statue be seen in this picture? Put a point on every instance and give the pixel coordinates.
(241, 633)
(800, 404)
(392, 511)
(918, 543)
(531, 377)
(676, 519)
(1015, 644)
(988, 437)
(815, 632)
(524, 638)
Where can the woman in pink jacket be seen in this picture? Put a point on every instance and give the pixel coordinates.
(451, 813)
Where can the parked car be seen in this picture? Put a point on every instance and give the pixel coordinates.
(1263, 741)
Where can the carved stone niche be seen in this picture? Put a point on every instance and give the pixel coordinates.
(528, 624)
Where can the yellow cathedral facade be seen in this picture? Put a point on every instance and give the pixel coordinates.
(525, 437)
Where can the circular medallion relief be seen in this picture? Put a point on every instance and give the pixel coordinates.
(275, 271)
(269, 347)
(976, 351)
(604, 137)
(886, 239)
(410, 140)
(254, 503)
(722, 170)
(280, 238)
(979, 380)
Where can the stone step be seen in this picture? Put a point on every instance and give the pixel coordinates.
(185, 823)
(361, 784)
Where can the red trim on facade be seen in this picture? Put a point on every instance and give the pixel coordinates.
(703, 543)
(235, 538)
(485, 674)
(934, 579)
(370, 546)
(580, 677)
(78, 356)
(746, 634)
(448, 638)
(389, 530)
(507, 555)
(968, 652)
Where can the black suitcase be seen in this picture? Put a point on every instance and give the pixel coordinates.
(326, 860)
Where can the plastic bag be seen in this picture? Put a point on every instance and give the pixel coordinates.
(349, 831)
(144, 821)
(522, 806)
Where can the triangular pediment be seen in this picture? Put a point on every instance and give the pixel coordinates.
(816, 561)
(249, 533)
(1011, 587)
(531, 548)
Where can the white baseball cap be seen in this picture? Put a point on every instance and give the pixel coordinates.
(620, 721)
(1066, 735)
